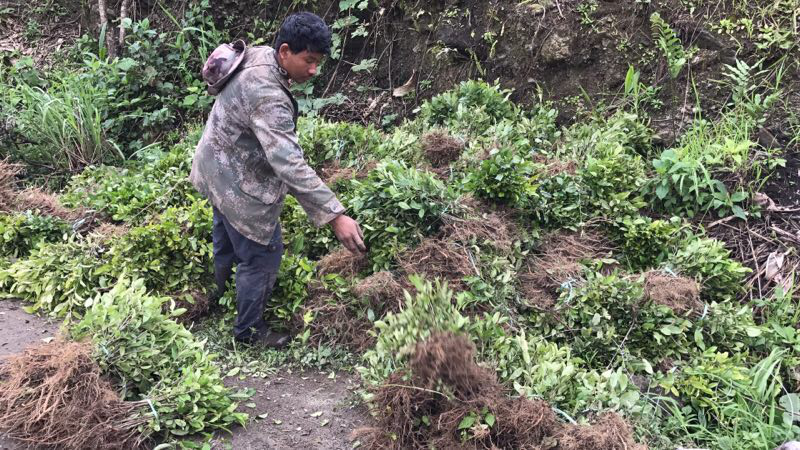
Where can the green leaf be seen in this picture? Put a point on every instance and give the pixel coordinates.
(467, 422)
(489, 419)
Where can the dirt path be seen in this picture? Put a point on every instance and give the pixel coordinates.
(307, 410)
(18, 330)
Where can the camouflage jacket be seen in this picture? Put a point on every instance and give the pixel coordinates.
(249, 158)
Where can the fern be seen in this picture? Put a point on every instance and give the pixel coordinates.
(667, 40)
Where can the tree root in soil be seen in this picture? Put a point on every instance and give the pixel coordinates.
(53, 396)
(559, 260)
(425, 406)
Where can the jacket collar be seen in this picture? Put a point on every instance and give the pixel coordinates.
(267, 56)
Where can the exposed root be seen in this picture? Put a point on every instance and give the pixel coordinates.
(35, 199)
(52, 396)
(558, 261)
(609, 432)
(109, 231)
(437, 258)
(339, 323)
(342, 262)
(441, 148)
(8, 183)
(555, 166)
(680, 294)
(445, 384)
(491, 228)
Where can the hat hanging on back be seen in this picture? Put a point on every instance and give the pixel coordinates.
(221, 64)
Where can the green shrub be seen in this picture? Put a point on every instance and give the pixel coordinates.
(172, 254)
(343, 143)
(645, 243)
(473, 106)
(21, 233)
(726, 404)
(395, 206)
(504, 177)
(559, 201)
(140, 189)
(535, 367)
(605, 320)
(155, 358)
(302, 236)
(709, 262)
(58, 278)
(429, 310)
(290, 292)
(612, 177)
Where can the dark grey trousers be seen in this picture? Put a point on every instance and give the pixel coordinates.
(256, 272)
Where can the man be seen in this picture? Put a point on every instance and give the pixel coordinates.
(248, 160)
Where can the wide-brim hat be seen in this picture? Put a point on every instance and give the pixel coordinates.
(221, 64)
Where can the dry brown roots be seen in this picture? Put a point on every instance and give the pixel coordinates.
(441, 148)
(32, 199)
(556, 166)
(445, 384)
(342, 262)
(558, 260)
(438, 258)
(344, 324)
(52, 396)
(680, 294)
(492, 228)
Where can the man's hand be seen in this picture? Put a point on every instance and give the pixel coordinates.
(349, 233)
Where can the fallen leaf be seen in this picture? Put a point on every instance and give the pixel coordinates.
(324, 422)
(277, 422)
(250, 405)
(316, 414)
(774, 265)
(262, 416)
(233, 372)
(407, 88)
(48, 340)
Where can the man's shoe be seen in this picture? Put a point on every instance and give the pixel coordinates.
(270, 339)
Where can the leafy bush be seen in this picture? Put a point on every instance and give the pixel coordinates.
(504, 177)
(58, 278)
(395, 205)
(559, 201)
(429, 310)
(645, 243)
(605, 319)
(172, 254)
(346, 144)
(290, 292)
(21, 233)
(709, 262)
(155, 358)
(472, 106)
(303, 237)
(140, 188)
(684, 185)
(732, 405)
(535, 367)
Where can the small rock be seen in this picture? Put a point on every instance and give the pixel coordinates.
(556, 49)
(791, 445)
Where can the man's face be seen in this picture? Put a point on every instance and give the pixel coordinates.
(300, 66)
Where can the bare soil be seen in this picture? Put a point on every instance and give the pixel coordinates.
(305, 410)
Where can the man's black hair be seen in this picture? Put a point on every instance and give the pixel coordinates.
(304, 31)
